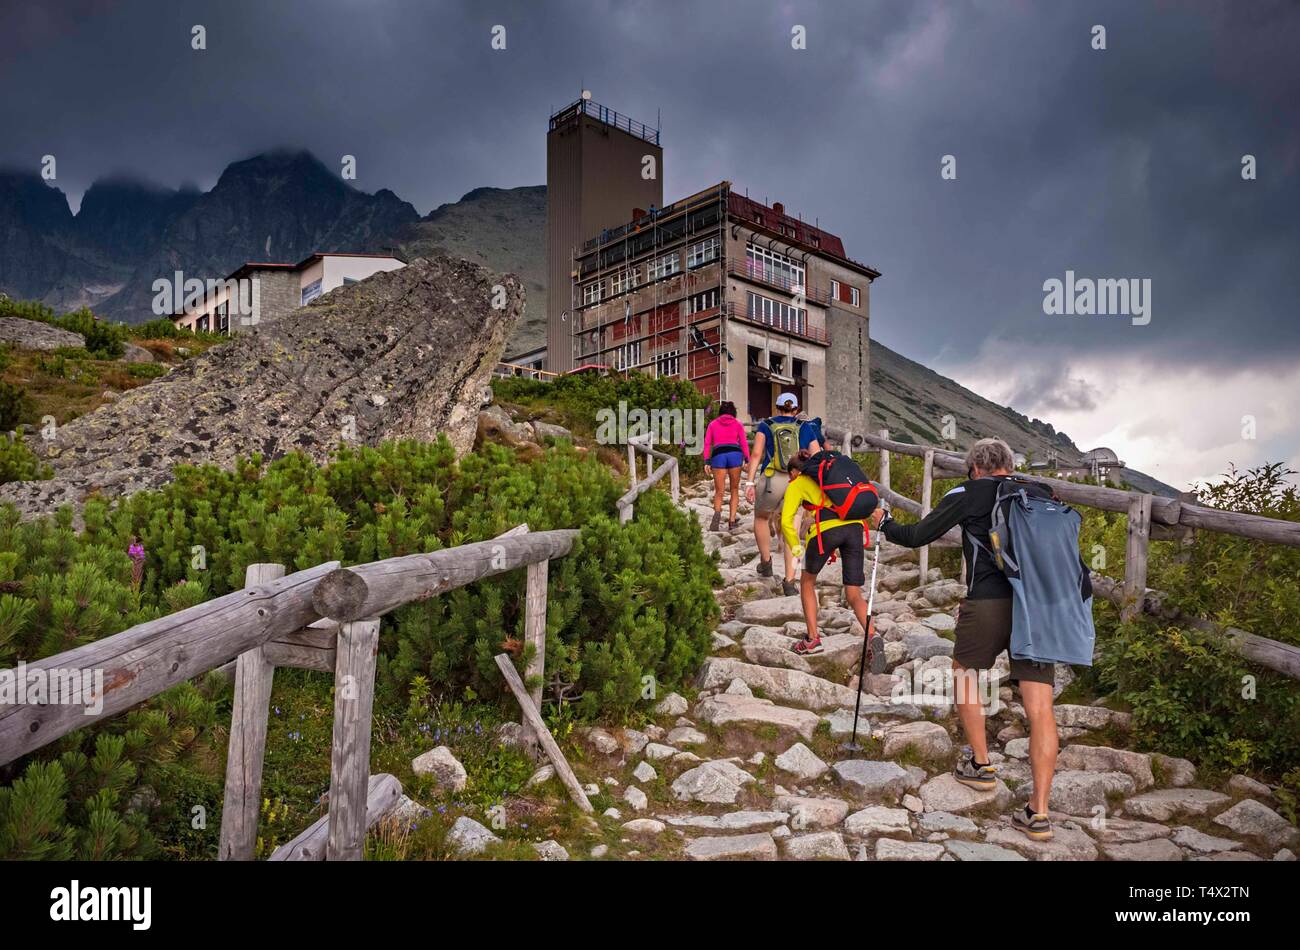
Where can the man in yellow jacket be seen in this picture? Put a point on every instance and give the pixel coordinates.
(845, 538)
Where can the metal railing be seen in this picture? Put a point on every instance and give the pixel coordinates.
(759, 275)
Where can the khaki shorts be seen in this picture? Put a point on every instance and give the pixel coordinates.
(984, 631)
(769, 493)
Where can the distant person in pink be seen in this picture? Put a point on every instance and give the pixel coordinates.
(726, 449)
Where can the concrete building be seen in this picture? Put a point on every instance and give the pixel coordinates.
(739, 297)
(599, 166)
(263, 291)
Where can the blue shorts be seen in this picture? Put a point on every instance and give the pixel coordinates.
(727, 460)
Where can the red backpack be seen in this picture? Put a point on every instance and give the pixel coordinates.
(849, 493)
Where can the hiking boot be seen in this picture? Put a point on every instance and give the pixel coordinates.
(789, 587)
(876, 650)
(733, 524)
(716, 523)
(982, 777)
(1035, 825)
(806, 647)
(765, 568)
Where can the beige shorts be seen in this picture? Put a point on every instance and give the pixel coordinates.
(769, 493)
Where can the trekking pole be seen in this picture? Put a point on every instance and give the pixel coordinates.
(852, 745)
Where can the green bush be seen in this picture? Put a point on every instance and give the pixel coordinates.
(146, 370)
(629, 609)
(14, 405)
(18, 463)
(579, 400)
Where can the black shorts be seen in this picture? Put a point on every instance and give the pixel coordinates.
(984, 631)
(847, 539)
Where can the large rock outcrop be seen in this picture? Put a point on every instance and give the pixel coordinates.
(406, 354)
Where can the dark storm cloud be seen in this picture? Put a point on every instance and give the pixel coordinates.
(1115, 163)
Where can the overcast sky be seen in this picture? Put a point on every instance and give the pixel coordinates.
(1117, 163)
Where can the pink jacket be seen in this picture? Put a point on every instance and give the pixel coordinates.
(725, 430)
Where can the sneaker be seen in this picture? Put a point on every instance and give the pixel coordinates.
(733, 524)
(789, 587)
(982, 777)
(806, 647)
(765, 568)
(1035, 825)
(876, 649)
(716, 523)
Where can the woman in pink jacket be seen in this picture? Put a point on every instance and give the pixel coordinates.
(726, 449)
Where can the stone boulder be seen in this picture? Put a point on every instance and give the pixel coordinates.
(402, 354)
(443, 766)
(35, 335)
(718, 781)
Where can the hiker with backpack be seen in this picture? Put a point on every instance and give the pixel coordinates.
(777, 440)
(725, 446)
(839, 498)
(1029, 595)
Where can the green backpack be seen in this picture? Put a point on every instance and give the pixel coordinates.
(785, 444)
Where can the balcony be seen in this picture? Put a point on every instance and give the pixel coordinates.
(803, 330)
(761, 275)
(606, 115)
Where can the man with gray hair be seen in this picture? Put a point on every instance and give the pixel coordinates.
(984, 630)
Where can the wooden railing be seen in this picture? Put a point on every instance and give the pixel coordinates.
(324, 618)
(641, 444)
(1150, 517)
(504, 370)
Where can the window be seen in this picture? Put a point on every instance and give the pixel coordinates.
(704, 301)
(624, 281)
(627, 356)
(202, 325)
(835, 290)
(703, 252)
(777, 314)
(668, 363)
(311, 292)
(662, 267)
(223, 317)
(349, 280)
(591, 293)
(774, 268)
(857, 298)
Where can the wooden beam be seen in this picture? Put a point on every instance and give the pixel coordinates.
(927, 493)
(383, 793)
(354, 694)
(1135, 556)
(140, 662)
(311, 648)
(535, 627)
(534, 719)
(1280, 657)
(884, 460)
(241, 804)
(625, 504)
(951, 539)
(371, 590)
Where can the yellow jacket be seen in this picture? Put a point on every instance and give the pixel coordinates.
(804, 489)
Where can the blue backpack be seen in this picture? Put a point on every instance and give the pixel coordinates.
(1035, 538)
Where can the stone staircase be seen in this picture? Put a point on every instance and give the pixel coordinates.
(755, 766)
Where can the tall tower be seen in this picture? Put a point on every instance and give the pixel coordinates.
(597, 172)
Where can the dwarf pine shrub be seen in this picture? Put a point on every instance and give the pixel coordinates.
(630, 610)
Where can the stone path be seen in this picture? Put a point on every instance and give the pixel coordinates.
(754, 767)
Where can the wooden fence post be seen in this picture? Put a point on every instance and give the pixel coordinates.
(631, 463)
(1135, 556)
(927, 485)
(534, 719)
(535, 626)
(354, 694)
(674, 482)
(847, 447)
(246, 750)
(884, 461)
